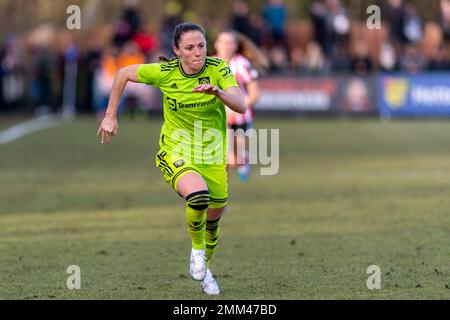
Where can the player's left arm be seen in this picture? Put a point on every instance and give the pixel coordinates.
(227, 88)
(232, 96)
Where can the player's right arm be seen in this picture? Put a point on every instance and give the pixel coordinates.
(109, 126)
(125, 74)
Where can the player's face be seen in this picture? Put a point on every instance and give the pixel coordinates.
(192, 51)
(225, 45)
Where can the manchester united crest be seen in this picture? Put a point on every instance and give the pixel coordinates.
(204, 80)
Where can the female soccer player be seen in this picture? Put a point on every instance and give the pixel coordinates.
(237, 50)
(192, 155)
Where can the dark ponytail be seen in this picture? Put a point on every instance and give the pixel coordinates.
(165, 59)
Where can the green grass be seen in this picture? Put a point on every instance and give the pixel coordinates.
(349, 194)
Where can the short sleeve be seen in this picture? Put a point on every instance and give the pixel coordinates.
(149, 73)
(225, 76)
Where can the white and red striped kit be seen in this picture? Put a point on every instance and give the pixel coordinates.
(245, 74)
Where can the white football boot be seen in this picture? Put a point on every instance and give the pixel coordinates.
(197, 267)
(209, 284)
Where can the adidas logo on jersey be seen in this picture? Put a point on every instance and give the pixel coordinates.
(174, 86)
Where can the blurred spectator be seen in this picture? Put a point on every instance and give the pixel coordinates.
(172, 17)
(2, 101)
(279, 60)
(12, 84)
(338, 25)
(129, 55)
(322, 35)
(440, 60)
(146, 42)
(249, 24)
(131, 15)
(388, 60)
(297, 60)
(361, 64)
(70, 71)
(339, 60)
(128, 24)
(256, 29)
(412, 60)
(413, 24)
(315, 62)
(104, 79)
(444, 19)
(331, 25)
(44, 69)
(275, 14)
(89, 63)
(240, 17)
(395, 17)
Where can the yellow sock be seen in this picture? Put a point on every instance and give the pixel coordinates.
(196, 221)
(212, 238)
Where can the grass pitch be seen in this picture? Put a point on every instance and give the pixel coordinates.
(349, 194)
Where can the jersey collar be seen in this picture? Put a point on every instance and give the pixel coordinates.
(190, 75)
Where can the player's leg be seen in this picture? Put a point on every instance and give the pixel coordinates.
(242, 156)
(212, 232)
(193, 188)
(216, 179)
(187, 181)
(209, 284)
(240, 149)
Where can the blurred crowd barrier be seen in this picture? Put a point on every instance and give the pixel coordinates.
(385, 95)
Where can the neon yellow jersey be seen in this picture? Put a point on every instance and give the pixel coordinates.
(194, 123)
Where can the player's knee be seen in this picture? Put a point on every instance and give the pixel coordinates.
(198, 200)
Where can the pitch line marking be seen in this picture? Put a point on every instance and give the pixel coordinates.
(27, 127)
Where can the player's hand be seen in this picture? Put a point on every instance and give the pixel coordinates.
(207, 89)
(108, 128)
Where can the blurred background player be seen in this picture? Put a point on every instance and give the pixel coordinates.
(244, 58)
